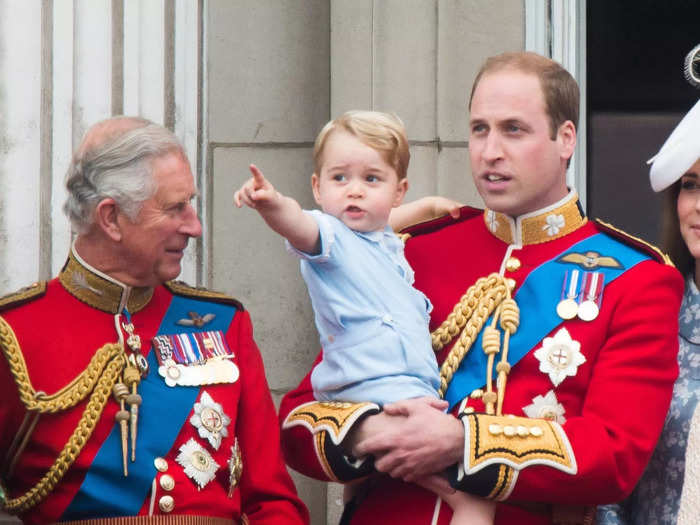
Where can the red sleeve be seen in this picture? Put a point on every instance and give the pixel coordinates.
(267, 491)
(627, 397)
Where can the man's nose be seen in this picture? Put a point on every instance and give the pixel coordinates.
(492, 147)
(191, 225)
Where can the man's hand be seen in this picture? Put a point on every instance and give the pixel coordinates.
(257, 192)
(411, 439)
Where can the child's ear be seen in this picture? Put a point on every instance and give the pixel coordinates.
(401, 189)
(316, 188)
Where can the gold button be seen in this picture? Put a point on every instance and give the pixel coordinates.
(522, 431)
(160, 464)
(495, 429)
(166, 504)
(476, 394)
(468, 410)
(509, 430)
(536, 431)
(167, 482)
(511, 283)
(513, 264)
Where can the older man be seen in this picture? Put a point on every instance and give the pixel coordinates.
(557, 337)
(126, 394)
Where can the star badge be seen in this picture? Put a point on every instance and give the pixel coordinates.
(210, 420)
(560, 356)
(546, 407)
(198, 464)
(235, 468)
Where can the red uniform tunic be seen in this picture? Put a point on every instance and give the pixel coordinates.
(58, 332)
(610, 407)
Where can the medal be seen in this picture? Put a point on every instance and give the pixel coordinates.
(592, 291)
(568, 307)
(193, 359)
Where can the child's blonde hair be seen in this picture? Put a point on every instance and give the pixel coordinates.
(382, 132)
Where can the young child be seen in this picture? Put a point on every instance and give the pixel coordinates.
(372, 322)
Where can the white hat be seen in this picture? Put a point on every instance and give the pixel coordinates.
(680, 151)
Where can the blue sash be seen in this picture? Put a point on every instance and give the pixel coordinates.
(538, 297)
(105, 491)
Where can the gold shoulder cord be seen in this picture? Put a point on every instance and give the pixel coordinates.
(96, 380)
(469, 315)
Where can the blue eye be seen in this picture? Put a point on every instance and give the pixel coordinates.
(689, 184)
(339, 177)
(372, 178)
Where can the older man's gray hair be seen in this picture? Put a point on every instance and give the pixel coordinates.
(114, 161)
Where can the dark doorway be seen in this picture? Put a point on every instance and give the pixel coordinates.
(636, 94)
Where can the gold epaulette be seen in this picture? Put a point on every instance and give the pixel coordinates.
(23, 295)
(635, 242)
(184, 289)
(421, 228)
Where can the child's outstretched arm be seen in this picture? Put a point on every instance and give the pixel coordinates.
(283, 214)
(422, 210)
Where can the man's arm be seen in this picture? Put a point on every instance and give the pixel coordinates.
(283, 214)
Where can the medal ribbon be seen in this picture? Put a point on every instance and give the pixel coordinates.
(539, 293)
(105, 492)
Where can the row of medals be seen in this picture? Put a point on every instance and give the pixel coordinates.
(581, 300)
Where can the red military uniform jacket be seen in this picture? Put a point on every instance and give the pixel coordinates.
(214, 452)
(588, 397)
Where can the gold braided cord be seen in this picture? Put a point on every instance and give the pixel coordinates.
(509, 321)
(471, 313)
(75, 444)
(97, 380)
(68, 396)
(462, 311)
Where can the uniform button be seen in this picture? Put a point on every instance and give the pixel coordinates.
(511, 283)
(160, 464)
(522, 431)
(495, 429)
(166, 504)
(513, 264)
(509, 430)
(387, 319)
(468, 410)
(167, 482)
(536, 431)
(476, 394)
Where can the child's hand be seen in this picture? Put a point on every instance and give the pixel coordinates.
(443, 205)
(257, 192)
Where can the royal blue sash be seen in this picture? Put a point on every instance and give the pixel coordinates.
(537, 298)
(105, 492)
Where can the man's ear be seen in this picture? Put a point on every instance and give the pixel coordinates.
(401, 189)
(106, 219)
(316, 188)
(566, 136)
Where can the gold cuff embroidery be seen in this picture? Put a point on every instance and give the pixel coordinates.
(334, 417)
(518, 442)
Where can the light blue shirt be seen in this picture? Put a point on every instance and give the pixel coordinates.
(372, 322)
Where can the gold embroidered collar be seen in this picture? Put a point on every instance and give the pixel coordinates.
(99, 290)
(547, 224)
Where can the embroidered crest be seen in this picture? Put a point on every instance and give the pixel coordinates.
(590, 260)
(560, 356)
(210, 420)
(235, 468)
(197, 463)
(196, 320)
(546, 407)
(554, 223)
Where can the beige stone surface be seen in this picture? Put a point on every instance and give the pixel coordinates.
(268, 69)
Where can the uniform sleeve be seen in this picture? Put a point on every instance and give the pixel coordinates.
(267, 491)
(313, 431)
(598, 455)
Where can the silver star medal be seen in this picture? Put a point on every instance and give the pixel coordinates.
(210, 420)
(197, 463)
(546, 407)
(560, 356)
